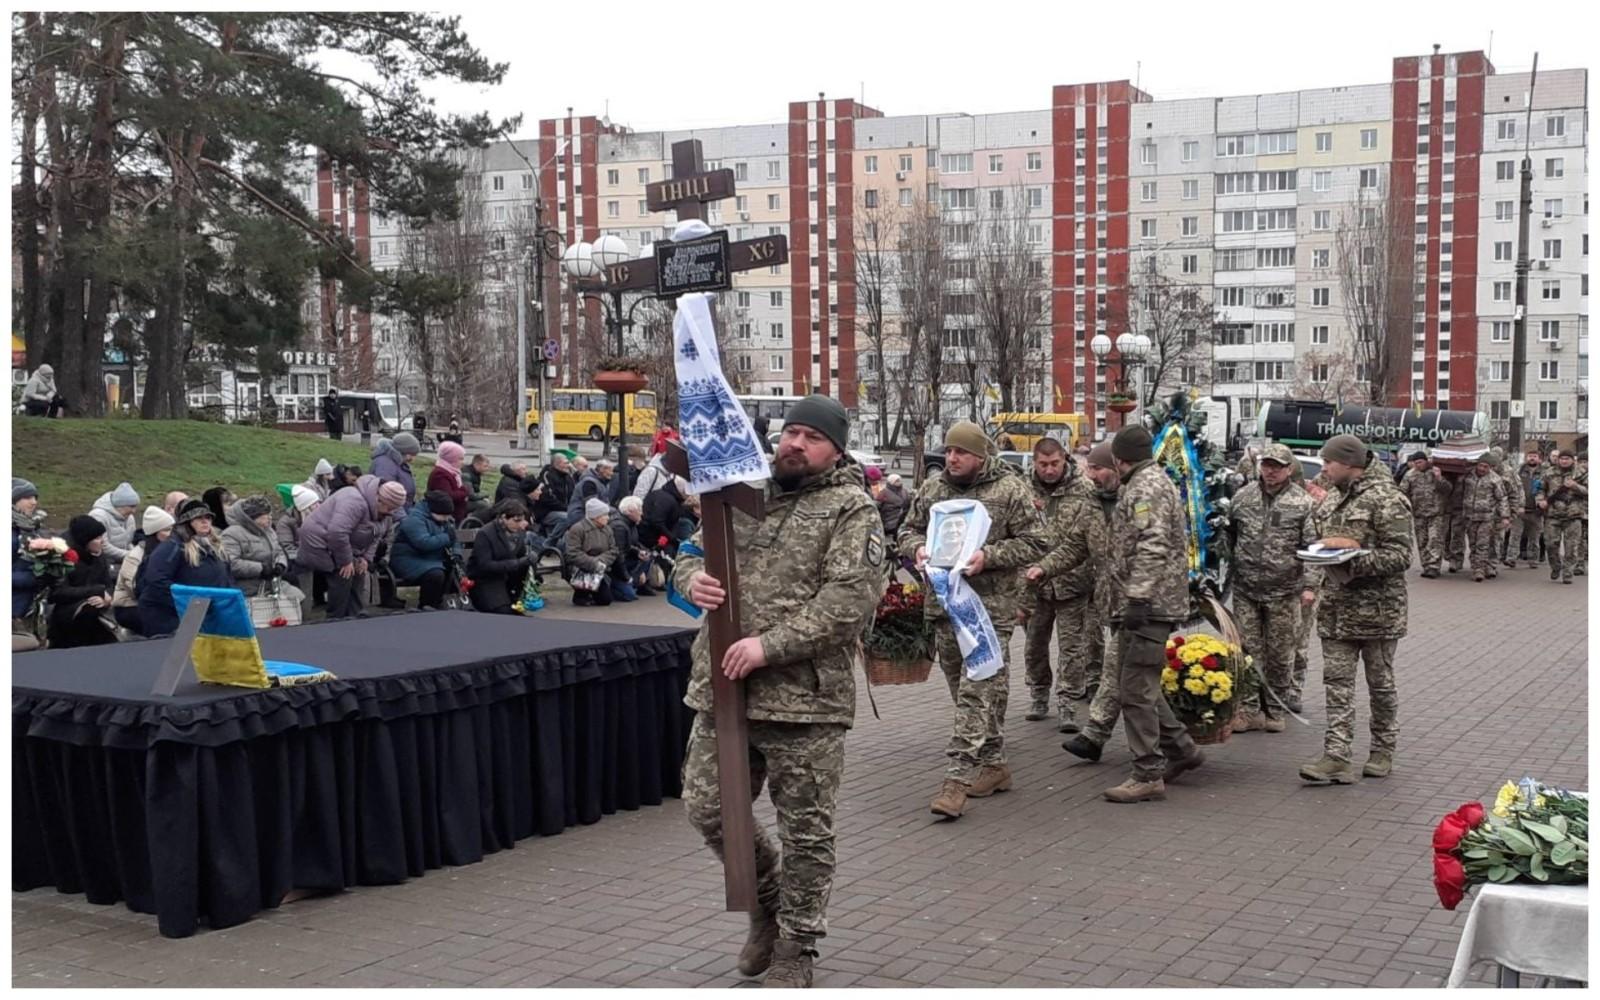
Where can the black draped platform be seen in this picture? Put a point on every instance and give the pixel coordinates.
(448, 736)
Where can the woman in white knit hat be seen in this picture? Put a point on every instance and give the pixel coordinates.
(154, 528)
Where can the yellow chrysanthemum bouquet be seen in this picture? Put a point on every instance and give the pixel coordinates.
(1199, 681)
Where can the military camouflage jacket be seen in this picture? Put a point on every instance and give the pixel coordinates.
(1148, 556)
(1071, 514)
(1483, 498)
(1267, 531)
(1567, 493)
(1017, 537)
(1366, 597)
(1427, 492)
(1513, 482)
(810, 576)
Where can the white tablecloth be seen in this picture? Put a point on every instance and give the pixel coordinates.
(1536, 930)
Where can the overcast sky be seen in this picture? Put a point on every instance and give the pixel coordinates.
(924, 58)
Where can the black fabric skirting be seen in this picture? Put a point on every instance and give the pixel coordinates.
(214, 804)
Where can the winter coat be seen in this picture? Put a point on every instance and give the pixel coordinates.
(1364, 598)
(420, 544)
(251, 549)
(1566, 494)
(589, 487)
(72, 623)
(1149, 546)
(316, 486)
(287, 527)
(1484, 497)
(663, 509)
(345, 528)
(440, 479)
(1268, 529)
(119, 530)
(390, 467)
(558, 489)
(626, 536)
(651, 478)
(126, 594)
(40, 387)
(511, 487)
(591, 548)
(474, 484)
(1069, 566)
(168, 565)
(891, 508)
(498, 566)
(23, 583)
(1427, 492)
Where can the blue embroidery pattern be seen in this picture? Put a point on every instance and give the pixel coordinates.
(716, 431)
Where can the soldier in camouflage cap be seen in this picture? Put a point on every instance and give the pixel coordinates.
(1363, 612)
(1017, 539)
(1527, 531)
(1514, 500)
(1268, 524)
(811, 574)
(1563, 495)
(1105, 707)
(1428, 491)
(1488, 512)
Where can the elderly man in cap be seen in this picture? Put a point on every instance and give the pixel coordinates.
(1017, 539)
(811, 574)
(1267, 524)
(1563, 496)
(1363, 612)
(1428, 492)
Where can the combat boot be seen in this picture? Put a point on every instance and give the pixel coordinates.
(1430, 574)
(791, 967)
(1175, 768)
(989, 781)
(1066, 718)
(1580, 571)
(1555, 572)
(1039, 709)
(1134, 790)
(1244, 721)
(1379, 764)
(1477, 578)
(1273, 724)
(951, 800)
(756, 954)
(1325, 768)
(1082, 746)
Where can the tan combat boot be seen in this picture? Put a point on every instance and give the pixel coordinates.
(1245, 720)
(1175, 768)
(1273, 724)
(1325, 768)
(1379, 764)
(756, 954)
(1039, 709)
(989, 781)
(1134, 790)
(1067, 717)
(951, 800)
(791, 967)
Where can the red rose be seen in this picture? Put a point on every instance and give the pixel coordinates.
(1448, 833)
(278, 623)
(1210, 662)
(1470, 815)
(1177, 640)
(1450, 880)
(467, 584)
(71, 556)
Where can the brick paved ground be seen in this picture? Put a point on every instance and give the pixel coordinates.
(1242, 877)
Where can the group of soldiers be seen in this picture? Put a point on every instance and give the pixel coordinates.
(1501, 513)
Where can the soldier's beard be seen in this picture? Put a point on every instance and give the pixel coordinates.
(789, 471)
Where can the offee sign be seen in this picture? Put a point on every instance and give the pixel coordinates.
(692, 266)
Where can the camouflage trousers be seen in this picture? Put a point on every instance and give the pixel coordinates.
(1527, 530)
(1106, 707)
(1481, 534)
(977, 737)
(1565, 539)
(1308, 624)
(1456, 541)
(1271, 632)
(801, 765)
(1072, 621)
(1429, 533)
(1155, 736)
(1339, 666)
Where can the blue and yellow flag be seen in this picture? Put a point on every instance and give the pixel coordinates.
(226, 651)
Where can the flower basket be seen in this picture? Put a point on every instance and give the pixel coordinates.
(1120, 403)
(622, 383)
(1199, 681)
(899, 647)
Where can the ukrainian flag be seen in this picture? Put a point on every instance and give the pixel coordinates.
(226, 650)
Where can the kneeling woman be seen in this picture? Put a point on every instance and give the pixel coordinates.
(192, 555)
(80, 605)
(500, 561)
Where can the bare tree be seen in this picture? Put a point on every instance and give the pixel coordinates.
(1373, 247)
(1009, 292)
(1177, 316)
(1327, 377)
(919, 283)
(875, 235)
(650, 338)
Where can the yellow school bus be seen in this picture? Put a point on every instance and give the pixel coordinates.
(1021, 431)
(582, 413)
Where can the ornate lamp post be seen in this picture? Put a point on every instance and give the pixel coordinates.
(588, 262)
(1131, 349)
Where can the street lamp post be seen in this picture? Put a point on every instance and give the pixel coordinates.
(1132, 349)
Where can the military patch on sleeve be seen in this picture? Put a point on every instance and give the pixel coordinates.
(1141, 514)
(874, 554)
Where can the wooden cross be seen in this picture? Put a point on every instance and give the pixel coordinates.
(727, 695)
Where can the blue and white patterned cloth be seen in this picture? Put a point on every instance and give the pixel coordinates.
(980, 646)
(716, 431)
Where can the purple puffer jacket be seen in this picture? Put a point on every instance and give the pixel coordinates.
(345, 528)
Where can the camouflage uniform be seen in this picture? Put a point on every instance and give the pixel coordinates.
(1515, 502)
(810, 576)
(1308, 616)
(1064, 598)
(1529, 528)
(1147, 561)
(1483, 504)
(1106, 707)
(1455, 547)
(1363, 613)
(1268, 529)
(1017, 539)
(1428, 492)
(1566, 496)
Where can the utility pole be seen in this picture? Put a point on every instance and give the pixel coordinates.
(522, 353)
(1519, 334)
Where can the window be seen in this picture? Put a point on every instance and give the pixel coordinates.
(872, 164)
(1505, 211)
(1502, 291)
(613, 209)
(1321, 180)
(1552, 249)
(1233, 260)
(776, 329)
(497, 182)
(960, 197)
(997, 199)
(869, 198)
(1505, 170)
(1369, 138)
(1499, 409)
(1147, 153)
(1324, 142)
(741, 203)
(1320, 219)
(905, 197)
(1271, 371)
(775, 362)
(956, 163)
(1275, 218)
(499, 213)
(613, 177)
(1550, 330)
(1319, 297)
(644, 175)
(997, 163)
(905, 162)
(743, 300)
(1555, 166)
(1369, 177)
(1191, 225)
(1552, 208)
(1191, 151)
(1035, 197)
(773, 202)
(1319, 335)
(1147, 191)
(1275, 297)
(1275, 257)
(1277, 180)
(1549, 409)
(1549, 371)
(1191, 190)
(1499, 371)
(1507, 129)
(1147, 229)
(1237, 222)
(1277, 142)
(1236, 183)
(774, 168)
(1236, 145)
(1231, 295)
(1190, 264)
(1035, 162)
(1319, 259)
(1502, 250)
(1550, 291)
(1036, 233)
(1555, 125)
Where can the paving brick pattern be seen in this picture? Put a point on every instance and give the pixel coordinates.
(1243, 877)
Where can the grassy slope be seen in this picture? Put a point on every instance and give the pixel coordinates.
(74, 461)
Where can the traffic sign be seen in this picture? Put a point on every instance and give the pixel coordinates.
(552, 350)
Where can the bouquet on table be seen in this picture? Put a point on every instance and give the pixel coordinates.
(1199, 681)
(1534, 833)
(899, 647)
